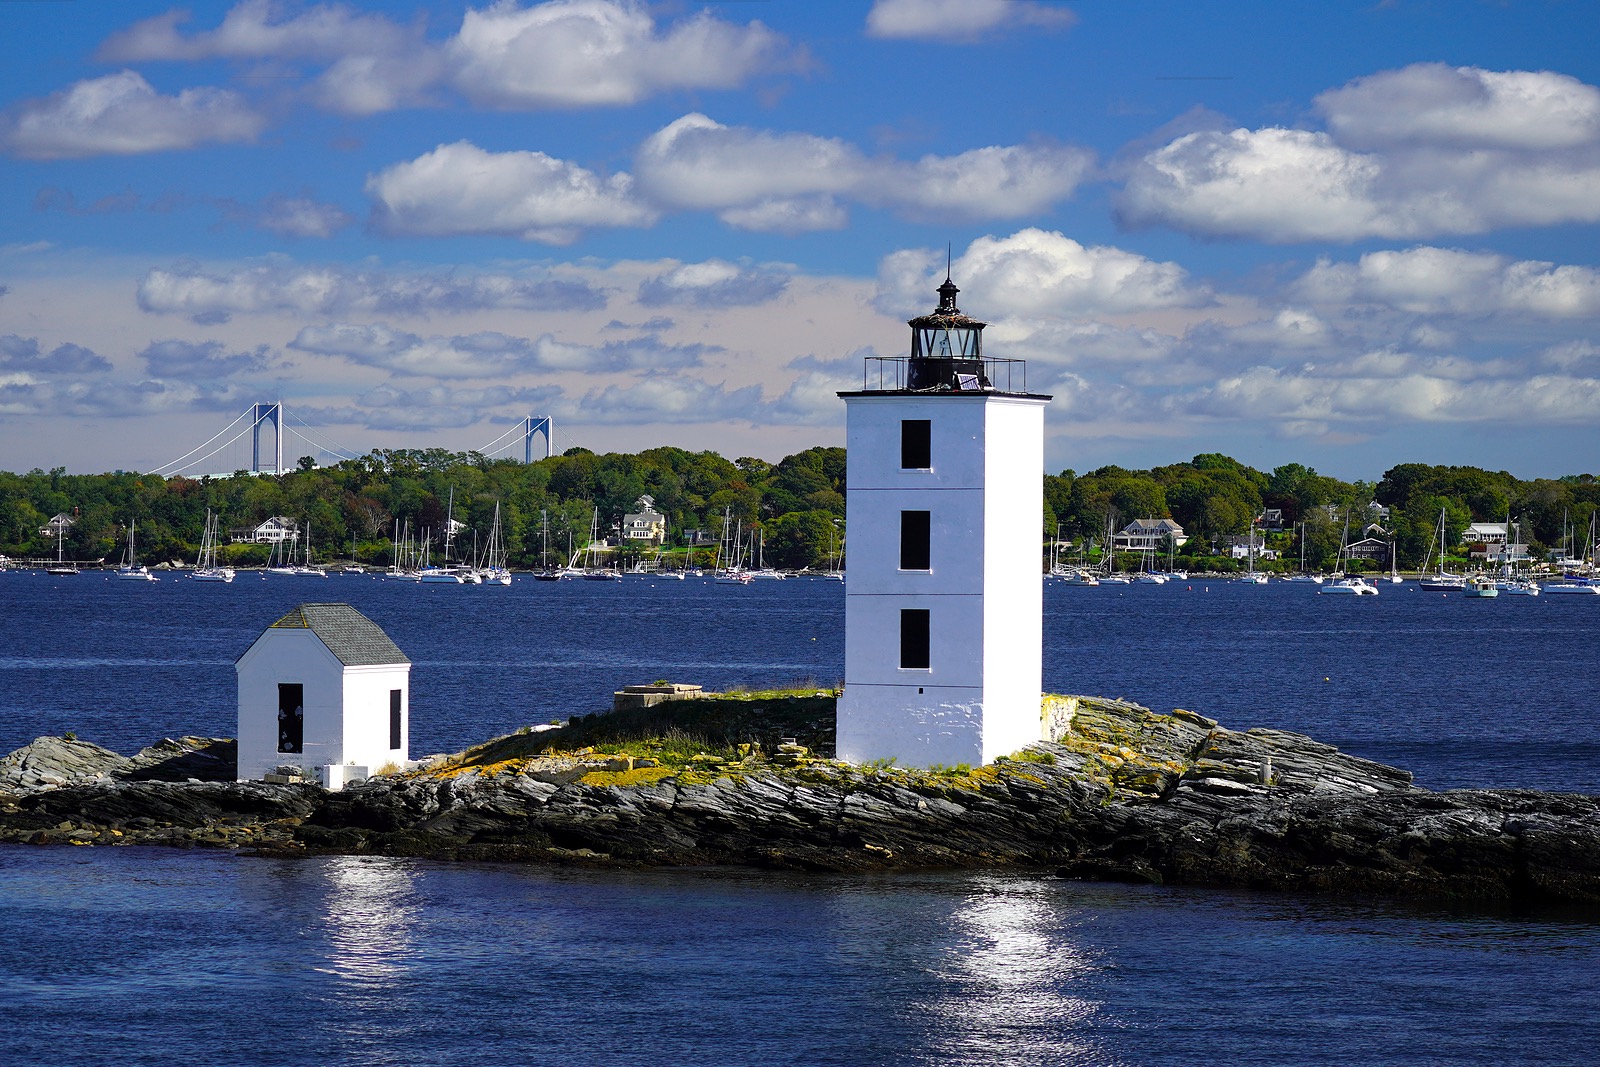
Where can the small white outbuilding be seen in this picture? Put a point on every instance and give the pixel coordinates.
(325, 690)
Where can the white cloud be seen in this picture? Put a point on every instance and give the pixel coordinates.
(108, 397)
(997, 182)
(696, 162)
(303, 217)
(25, 354)
(581, 53)
(667, 398)
(1037, 271)
(1389, 389)
(121, 114)
(1429, 280)
(953, 21)
(277, 288)
(1463, 107)
(792, 182)
(200, 360)
(461, 189)
(713, 283)
(1412, 153)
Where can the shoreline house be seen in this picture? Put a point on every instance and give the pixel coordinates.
(1149, 535)
(59, 523)
(646, 525)
(323, 691)
(273, 531)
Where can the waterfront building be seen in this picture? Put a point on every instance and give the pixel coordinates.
(323, 690)
(943, 607)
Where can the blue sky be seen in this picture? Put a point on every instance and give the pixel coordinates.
(1347, 236)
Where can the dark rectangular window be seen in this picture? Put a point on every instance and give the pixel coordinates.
(916, 553)
(914, 639)
(394, 718)
(916, 444)
(291, 717)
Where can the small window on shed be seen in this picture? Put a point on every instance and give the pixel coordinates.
(291, 716)
(916, 444)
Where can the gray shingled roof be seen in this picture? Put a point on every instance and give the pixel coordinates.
(353, 638)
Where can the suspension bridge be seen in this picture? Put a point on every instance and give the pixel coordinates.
(285, 433)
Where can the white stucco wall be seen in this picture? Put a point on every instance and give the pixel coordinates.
(346, 709)
(980, 697)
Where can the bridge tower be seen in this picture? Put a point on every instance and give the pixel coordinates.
(532, 426)
(272, 413)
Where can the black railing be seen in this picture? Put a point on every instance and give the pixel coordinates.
(920, 374)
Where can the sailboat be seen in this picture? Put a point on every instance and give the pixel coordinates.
(495, 571)
(1109, 558)
(591, 572)
(1251, 576)
(1572, 580)
(306, 570)
(762, 570)
(1441, 580)
(206, 569)
(61, 566)
(545, 574)
(1394, 564)
(1303, 576)
(729, 569)
(130, 569)
(1347, 585)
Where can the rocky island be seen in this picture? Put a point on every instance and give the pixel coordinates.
(1122, 794)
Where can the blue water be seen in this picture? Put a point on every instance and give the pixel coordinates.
(1462, 692)
(151, 956)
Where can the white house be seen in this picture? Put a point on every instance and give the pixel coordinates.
(58, 523)
(943, 609)
(1149, 535)
(1485, 533)
(646, 524)
(323, 689)
(272, 531)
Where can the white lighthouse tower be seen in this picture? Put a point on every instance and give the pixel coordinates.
(943, 601)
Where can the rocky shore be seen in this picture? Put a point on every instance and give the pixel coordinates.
(1123, 794)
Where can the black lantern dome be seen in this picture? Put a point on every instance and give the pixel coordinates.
(946, 347)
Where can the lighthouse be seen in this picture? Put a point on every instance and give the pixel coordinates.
(945, 504)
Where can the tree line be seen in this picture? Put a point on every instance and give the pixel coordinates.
(797, 504)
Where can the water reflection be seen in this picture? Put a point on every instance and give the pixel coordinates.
(1009, 981)
(370, 913)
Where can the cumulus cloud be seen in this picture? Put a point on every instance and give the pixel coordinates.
(25, 354)
(391, 407)
(1463, 107)
(461, 189)
(1417, 152)
(22, 394)
(668, 398)
(790, 182)
(122, 114)
(487, 353)
(200, 360)
(1423, 391)
(1037, 271)
(563, 54)
(295, 290)
(1430, 280)
(713, 283)
(584, 53)
(947, 20)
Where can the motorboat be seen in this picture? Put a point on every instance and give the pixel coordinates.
(1354, 585)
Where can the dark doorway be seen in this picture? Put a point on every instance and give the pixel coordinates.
(394, 719)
